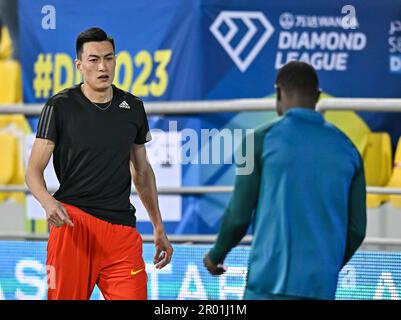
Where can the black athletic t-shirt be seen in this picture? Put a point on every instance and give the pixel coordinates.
(92, 150)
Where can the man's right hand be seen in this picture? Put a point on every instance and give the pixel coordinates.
(56, 213)
(214, 268)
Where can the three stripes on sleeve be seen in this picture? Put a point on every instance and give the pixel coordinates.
(46, 126)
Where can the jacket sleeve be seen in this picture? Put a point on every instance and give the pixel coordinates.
(237, 217)
(356, 213)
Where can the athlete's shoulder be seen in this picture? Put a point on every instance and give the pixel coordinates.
(340, 134)
(62, 96)
(343, 137)
(127, 96)
(266, 127)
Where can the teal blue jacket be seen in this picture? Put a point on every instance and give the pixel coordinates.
(308, 195)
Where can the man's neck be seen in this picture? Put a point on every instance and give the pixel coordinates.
(97, 96)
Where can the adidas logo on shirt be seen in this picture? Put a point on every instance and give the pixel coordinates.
(124, 105)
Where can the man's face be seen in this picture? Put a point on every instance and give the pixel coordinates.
(97, 64)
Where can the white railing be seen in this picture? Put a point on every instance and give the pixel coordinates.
(389, 243)
(237, 105)
(197, 190)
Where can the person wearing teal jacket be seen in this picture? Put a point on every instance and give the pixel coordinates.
(306, 198)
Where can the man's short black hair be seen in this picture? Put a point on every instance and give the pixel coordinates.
(92, 34)
(298, 77)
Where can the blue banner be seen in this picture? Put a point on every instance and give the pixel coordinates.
(179, 50)
(369, 275)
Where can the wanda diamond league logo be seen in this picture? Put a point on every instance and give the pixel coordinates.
(230, 24)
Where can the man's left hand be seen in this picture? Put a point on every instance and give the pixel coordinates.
(164, 250)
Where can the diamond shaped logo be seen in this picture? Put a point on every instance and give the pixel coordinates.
(248, 18)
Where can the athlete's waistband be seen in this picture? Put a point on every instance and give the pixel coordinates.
(76, 211)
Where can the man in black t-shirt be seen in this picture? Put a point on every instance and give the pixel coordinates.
(96, 134)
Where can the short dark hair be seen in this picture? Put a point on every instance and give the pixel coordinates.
(92, 34)
(298, 77)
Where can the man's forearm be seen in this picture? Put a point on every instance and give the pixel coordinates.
(232, 230)
(145, 184)
(357, 219)
(36, 183)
